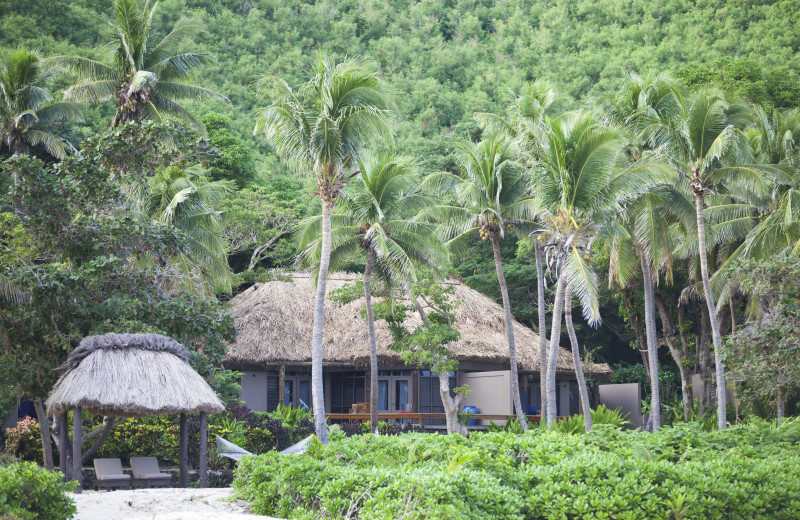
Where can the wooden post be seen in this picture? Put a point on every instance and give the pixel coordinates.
(63, 440)
(77, 456)
(203, 450)
(281, 384)
(184, 445)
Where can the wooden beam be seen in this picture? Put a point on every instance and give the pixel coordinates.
(63, 440)
(77, 458)
(184, 446)
(203, 450)
(281, 383)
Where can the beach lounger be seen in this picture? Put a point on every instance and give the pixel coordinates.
(110, 475)
(147, 473)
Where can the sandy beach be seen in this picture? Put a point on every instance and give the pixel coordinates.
(161, 504)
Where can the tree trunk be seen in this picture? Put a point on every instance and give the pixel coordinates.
(451, 406)
(282, 385)
(542, 332)
(373, 346)
(781, 405)
(102, 433)
(44, 434)
(316, 334)
(686, 375)
(576, 359)
(652, 343)
(712, 314)
(703, 357)
(732, 306)
(512, 347)
(552, 356)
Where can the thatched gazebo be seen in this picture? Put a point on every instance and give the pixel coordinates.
(132, 375)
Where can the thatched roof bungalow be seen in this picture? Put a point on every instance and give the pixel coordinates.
(274, 321)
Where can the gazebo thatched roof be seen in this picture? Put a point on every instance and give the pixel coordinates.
(274, 321)
(131, 375)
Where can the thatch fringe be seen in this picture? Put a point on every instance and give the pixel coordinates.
(274, 321)
(131, 375)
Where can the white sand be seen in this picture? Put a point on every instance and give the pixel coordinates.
(161, 504)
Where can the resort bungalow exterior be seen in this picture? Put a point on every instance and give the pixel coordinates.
(273, 352)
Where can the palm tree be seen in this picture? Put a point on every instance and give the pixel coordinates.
(324, 127)
(491, 197)
(181, 198)
(526, 116)
(708, 150)
(580, 181)
(643, 228)
(377, 219)
(26, 118)
(145, 75)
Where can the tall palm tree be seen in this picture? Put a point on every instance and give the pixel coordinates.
(324, 127)
(491, 197)
(526, 115)
(26, 118)
(181, 198)
(644, 226)
(377, 222)
(144, 74)
(708, 150)
(580, 181)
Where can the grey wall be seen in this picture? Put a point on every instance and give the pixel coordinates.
(628, 396)
(491, 391)
(254, 390)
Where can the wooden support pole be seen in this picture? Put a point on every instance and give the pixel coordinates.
(203, 450)
(63, 440)
(77, 456)
(281, 384)
(184, 445)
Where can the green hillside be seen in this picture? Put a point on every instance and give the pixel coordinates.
(447, 59)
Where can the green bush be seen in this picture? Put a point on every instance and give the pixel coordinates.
(746, 472)
(29, 492)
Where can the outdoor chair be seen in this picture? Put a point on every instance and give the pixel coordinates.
(110, 475)
(146, 473)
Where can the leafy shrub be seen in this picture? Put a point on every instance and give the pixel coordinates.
(602, 415)
(746, 472)
(29, 492)
(290, 416)
(24, 440)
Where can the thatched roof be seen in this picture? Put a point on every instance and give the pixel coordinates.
(274, 322)
(131, 375)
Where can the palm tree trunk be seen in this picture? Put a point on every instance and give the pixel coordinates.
(712, 314)
(318, 396)
(512, 348)
(542, 332)
(373, 346)
(652, 343)
(552, 356)
(576, 359)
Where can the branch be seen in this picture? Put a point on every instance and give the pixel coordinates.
(103, 432)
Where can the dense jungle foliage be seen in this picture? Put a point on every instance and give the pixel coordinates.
(446, 59)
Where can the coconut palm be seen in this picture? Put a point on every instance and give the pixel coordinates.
(144, 74)
(527, 114)
(377, 222)
(491, 197)
(708, 150)
(26, 118)
(181, 198)
(580, 180)
(643, 229)
(324, 127)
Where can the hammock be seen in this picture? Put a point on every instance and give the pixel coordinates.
(232, 451)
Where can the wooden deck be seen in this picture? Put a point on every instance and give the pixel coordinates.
(419, 418)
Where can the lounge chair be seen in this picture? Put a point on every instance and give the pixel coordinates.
(147, 473)
(110, 475)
